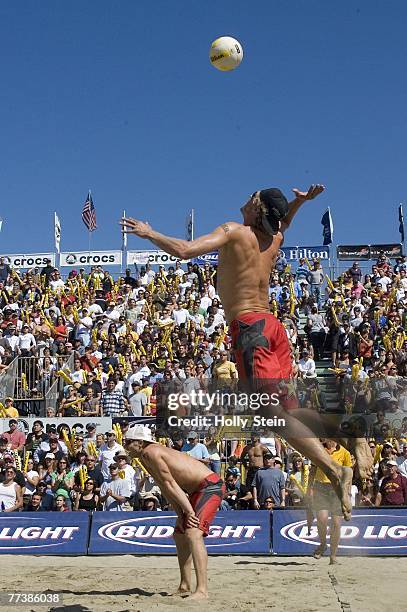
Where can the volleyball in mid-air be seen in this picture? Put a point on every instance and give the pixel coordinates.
(226, 53)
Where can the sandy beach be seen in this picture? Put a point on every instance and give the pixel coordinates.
(121, 583)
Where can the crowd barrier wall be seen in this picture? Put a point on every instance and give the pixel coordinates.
(381, 531)
(376, 531)
(239, 533)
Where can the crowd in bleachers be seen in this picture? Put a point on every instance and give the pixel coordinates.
(91, 346)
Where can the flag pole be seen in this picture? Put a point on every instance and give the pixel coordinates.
(124, 246)
(192, 223)
(401, 227)
(89, 232)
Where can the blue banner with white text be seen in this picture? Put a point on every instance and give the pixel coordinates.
(291, 254)
(44, 533)
(241, 532)
(379, 531)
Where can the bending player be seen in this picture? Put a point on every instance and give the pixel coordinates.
(174, 473)
(247, 254)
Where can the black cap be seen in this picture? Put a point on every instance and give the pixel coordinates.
(277, 207)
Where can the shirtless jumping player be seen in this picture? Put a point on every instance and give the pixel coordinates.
(247, 254)
(175, 473)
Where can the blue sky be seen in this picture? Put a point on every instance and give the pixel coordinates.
(120, 97)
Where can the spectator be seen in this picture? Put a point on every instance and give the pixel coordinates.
(393, 489)
(11, 497)
(47, 499)
(237, 495)
(112, 403)
(253, 456)
(196, 449)
(61, 501)
(137, 400)
(269, 481)
(87, 500)
(115, 491)
(108, 452)
(15, 438)
(36, 437)
(150, 503)
(34, 503)
(306, 365)
(317, 332)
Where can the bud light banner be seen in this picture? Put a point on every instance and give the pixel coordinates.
(381, 531)
(239, 533)
(44, 533)
(290, 253)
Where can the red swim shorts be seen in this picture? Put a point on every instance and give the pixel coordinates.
(261, 347)
(206, 501)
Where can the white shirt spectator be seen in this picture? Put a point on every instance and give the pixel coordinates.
(112, 314)
(95, 309)
(306, 366)
(106, 457)
(130, 478)
(26, 342)
(57, 285)
(140, 325)
(180, 316)
(205, 302)
(137, 402)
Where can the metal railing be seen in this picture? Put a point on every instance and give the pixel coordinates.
(54, 392)
(8, 381)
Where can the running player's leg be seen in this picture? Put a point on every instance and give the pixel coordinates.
(322, 523)
(334, 537)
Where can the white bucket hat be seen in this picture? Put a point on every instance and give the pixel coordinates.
(140, 432)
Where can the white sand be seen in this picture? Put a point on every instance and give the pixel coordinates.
(300, 584)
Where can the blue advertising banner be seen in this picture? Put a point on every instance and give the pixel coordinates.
(239, 533)
(44, 533)
(381, 531)
(290, 253)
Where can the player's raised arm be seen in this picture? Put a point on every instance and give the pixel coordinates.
(300, 198)
(184, 249)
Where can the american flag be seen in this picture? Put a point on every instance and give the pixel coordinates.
(89, 214)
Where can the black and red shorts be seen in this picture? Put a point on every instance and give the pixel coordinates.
(261, 347)
(206, 501)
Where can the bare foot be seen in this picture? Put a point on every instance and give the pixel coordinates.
(333, 561)
(183, 589)
(179, 592)
(364, 459)
(197, 596)
(342, 488)
(318, 552)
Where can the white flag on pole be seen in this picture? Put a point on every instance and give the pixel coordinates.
(57, 232)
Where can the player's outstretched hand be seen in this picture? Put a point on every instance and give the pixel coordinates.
(133, 226)
(312, 192)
